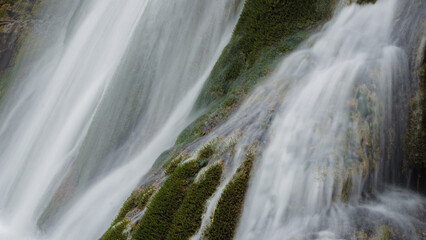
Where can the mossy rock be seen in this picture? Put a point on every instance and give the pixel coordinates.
(189, 216)
(361, 236)
(263, 24)
(173, 164)
(159, 215)
(384, 233)
(265, 32)
(366, 1)
(346, 189)
(117, 232)
(230, 205)
(17, 9)
(223, 105)
(139, 198)
(415, 136)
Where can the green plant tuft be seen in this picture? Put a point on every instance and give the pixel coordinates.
(116, 232)
(346, 189)
(138, 199)
(159, 214)
(173, 165)
(206, 152)
(415, 136)
(266, 31)
(263, 25)
(129, 204)
(362, 2)
(229, 207)
(147, 193)
(384, 233)
(189, 216)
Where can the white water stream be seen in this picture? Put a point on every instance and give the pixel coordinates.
(88, 121)
(330, 128)
(79, 131)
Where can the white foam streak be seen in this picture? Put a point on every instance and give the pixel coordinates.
(51, 115)
(293, 194)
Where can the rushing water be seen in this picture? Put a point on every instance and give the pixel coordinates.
(104, 99)
(319, 176)
(109, 94)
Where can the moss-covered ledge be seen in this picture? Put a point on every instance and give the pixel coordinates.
(251, 55)
(415, 137)
(263, 25)
(189, 216)
(16, 20)
(366, 1)
(265, 32)
(229, 208)
(176, 208)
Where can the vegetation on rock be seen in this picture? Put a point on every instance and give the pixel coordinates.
(263, 25)
(177, 196)
(230, 205)
(14, 16)
(366, 1)
(160, 212)
(384, 233)
(138, 199)
(16, 9)
(266, 31)
(188, 217)
(116, 232)
(415, 138)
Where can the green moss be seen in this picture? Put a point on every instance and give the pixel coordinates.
(415, 137)
(362, 139)
(173, 165)
(263, 25)
(346, 189)
(159, 214)
(206, 152)
(224, 104)
(116, 232)
(10, 11)
(5, 10)
(203, 125)
(164, 156)
(266, 31)
(230, 205)
(138, 198)
(361, 236)
(129, 204)
(189, 216)
(384, 233)
(366, 1)
(147, 193)
(16, 9)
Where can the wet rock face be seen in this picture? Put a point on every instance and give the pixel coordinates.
(15, 17)
(11, 32)
(366, 1)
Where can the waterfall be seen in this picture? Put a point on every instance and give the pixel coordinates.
(319, 176)
(99, 105)
(104, 87)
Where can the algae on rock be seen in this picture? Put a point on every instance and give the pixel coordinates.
(415, 137)
(230, 205)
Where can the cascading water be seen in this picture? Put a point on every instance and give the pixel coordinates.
(99, 106)
(318, 176)
(113, 91)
